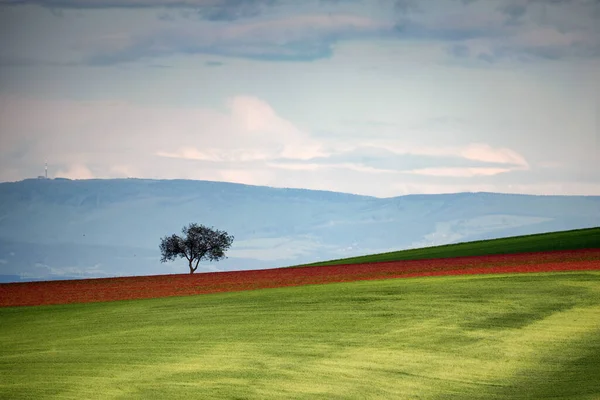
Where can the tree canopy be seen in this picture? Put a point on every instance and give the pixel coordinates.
(197, 243)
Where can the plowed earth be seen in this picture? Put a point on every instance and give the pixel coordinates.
(142, 287)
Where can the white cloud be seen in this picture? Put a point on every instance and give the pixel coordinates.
(296, 166)
(473, 151)
(240, 144)
(190, 153)
(75, 171)
(484, 152)
(343, 166)
(252, 131)
(246, 140)
(124, 171)
(77, 132)
(507, 159)
(460, 172)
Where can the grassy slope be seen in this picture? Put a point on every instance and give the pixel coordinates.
(564, 240)
(462, 337)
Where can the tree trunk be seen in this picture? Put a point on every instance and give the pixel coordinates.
(194, 268)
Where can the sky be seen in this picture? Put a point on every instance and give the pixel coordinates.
(375, 97)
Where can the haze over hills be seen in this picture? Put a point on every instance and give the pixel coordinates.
(59, 228)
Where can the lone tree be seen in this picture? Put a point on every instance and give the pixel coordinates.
(198, 243)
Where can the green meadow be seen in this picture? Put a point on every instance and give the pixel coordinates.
(563, 240)
(529, 336)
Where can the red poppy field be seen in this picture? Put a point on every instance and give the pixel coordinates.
(143, 287)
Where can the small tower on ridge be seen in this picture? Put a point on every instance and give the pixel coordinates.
(45, 176)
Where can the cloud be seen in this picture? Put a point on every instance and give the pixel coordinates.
(406, 7)
(357, 167)
(231, 10)
(459, 50)
(292, 38)
(292, 31)
(386, 157)
(75, 171)
(212, 5)
(123, 171)
(480, 152)
(485, 153)
(498, 126)
(295, 166)
(513, 10)
(85, 137)
(246, 141)
(467, 161)
(460, 172)
(541, 30)
(252, 132)
(478, 31)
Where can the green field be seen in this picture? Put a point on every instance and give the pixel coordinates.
(530, 336)
(563, 240)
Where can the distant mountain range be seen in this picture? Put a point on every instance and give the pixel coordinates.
(63, 229)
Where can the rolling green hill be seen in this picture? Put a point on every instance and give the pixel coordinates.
(563, 240)
(531, 336)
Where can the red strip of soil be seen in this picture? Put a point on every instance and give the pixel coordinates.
(143, 287)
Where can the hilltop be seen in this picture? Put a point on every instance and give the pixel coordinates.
(59, 228)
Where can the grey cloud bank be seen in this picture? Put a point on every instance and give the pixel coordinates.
(293, 31)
